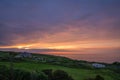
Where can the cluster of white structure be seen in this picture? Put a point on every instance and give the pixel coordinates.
(98, 65)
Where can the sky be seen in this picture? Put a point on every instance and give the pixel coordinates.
(60, 25)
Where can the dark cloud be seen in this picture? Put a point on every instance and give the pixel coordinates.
(32, 20)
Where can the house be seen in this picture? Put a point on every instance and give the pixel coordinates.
(24, 55)
(98, 65)
(41, 59)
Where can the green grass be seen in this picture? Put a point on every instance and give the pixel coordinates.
(77, 74)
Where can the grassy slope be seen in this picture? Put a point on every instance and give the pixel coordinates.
(77, 74)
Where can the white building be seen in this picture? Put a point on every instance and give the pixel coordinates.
(97, 65)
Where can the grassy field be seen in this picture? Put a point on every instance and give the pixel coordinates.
(77, 74)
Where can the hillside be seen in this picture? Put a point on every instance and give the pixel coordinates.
(77, 74)
(77, 71)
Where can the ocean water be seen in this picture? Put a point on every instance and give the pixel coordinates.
(106, 57)
(109, 55)
(93, 55)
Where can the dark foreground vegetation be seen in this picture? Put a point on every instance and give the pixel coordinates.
(47, 74)
(18, 74)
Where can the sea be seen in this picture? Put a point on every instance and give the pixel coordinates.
(105, 58)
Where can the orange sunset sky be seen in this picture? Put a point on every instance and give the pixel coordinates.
(71, 25)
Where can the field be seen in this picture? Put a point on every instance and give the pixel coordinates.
(77, 74)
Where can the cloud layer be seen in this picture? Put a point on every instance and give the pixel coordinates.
(56, 23)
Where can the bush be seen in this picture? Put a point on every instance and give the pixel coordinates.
(41, 76)
(48, 72)
(17, 74)
(98, 77)
(57, 75)
(61, 75)
(21, 75)
(4, 73)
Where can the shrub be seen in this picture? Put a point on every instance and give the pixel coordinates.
(5, 74)
(18, 74)
(21, 75)
(60, 75)
(57, 75)
(41, 76)
(48, 72)
(98, 77)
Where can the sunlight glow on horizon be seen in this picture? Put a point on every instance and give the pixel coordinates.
(68, 46)
(63, 47)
